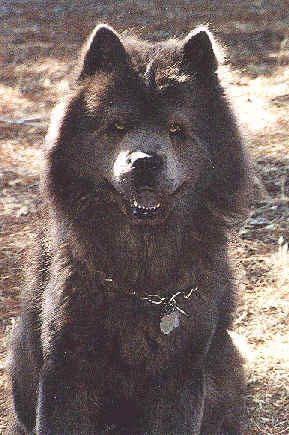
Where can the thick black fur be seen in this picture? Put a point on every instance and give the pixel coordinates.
(144, 168)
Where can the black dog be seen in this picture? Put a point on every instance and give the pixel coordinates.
(125, 314)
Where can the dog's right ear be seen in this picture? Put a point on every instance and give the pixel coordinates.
(199, 52)
(103, 51)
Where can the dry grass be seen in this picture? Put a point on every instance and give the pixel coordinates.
(263, 319)
(263, 310)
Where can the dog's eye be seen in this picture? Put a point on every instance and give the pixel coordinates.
(119, 126)
(175, 128)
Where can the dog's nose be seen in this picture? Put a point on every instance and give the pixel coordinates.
(145, 162)
(145, 167)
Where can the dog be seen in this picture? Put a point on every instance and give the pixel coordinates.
(129, 296)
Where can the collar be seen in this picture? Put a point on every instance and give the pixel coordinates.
(168, 303)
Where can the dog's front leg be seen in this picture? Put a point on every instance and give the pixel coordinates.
(64, 403)
(179, 406)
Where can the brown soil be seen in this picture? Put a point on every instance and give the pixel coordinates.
(39, 40)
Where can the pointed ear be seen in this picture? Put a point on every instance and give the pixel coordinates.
(103, 51)
(198, 52)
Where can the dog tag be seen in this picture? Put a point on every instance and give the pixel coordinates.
(169, 322)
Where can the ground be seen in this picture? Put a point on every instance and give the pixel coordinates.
(39, 40)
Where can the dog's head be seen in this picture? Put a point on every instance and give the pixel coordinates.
(146, 129)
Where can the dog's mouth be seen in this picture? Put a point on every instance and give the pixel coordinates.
(146, 205)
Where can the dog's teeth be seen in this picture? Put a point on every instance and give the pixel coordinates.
(143, 207)
(144, 210)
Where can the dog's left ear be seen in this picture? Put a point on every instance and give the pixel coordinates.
(198, 52)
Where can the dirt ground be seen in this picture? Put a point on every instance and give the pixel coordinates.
(39, 40)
